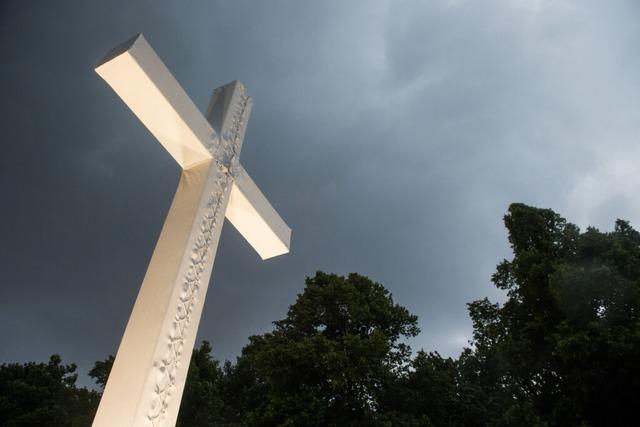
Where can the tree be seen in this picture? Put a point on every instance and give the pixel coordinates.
(562, 349)
(425, 395)
(202, 403)
(100, 371)
(597, 343)
(330, 360)
(44, 394)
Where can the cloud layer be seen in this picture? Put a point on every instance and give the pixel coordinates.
(391, 135)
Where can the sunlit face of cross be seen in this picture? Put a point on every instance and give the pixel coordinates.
(147, 379)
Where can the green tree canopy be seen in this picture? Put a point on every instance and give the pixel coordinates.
(330, 360)
(563, 348)
(44, 394)
(100, 371)
(202, 403)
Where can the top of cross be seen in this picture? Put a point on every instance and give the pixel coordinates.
(144, 83)
(166, 110)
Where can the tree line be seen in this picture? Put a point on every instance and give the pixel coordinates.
(562, 350)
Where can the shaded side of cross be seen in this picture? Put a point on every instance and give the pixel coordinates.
(147, 379)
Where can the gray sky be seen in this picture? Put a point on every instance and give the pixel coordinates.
(390, 135)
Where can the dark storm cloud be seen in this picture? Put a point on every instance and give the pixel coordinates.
(391, 136)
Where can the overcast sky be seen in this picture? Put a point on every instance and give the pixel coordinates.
(390, 135)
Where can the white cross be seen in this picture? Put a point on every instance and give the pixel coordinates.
(147, 379)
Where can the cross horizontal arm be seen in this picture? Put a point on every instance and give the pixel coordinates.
(254, 217)
(144, 83)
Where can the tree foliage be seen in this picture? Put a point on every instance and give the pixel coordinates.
(44, 394)
(561, 350)
(330, 360)
(202, 399)
(100, 371)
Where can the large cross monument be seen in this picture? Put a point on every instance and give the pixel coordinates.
(146, 383)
